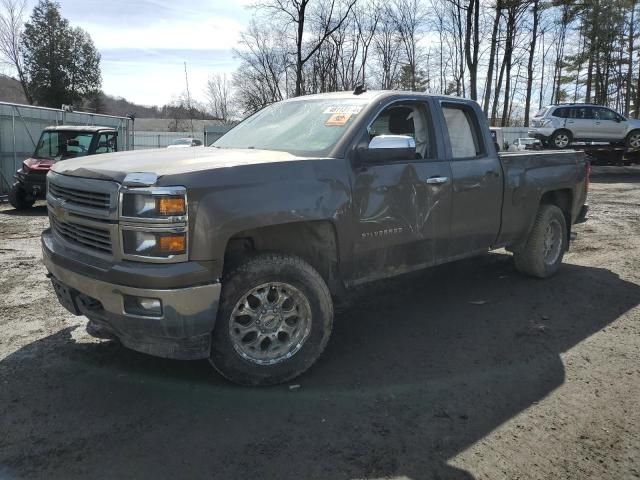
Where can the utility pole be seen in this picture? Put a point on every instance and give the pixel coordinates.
(186, 78)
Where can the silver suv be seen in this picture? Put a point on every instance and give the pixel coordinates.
(559, 125)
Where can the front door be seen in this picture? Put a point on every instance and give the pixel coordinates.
(401, 208)
(608, 124)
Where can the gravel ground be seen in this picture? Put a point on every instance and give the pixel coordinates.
(540, 380)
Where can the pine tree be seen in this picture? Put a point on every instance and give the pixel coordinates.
(62, 64)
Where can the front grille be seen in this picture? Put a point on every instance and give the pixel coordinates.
(83, 235)
(81, 198)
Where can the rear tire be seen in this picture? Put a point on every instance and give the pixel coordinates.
(561, 139)
(274, 320)
(19, 199)
(542, 254)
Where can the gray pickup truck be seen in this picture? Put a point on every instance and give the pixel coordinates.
(236, 252)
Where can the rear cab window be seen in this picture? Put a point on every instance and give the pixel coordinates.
(463, 131)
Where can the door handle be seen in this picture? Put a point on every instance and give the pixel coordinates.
(570, 121)
(437, 180)
(597, 123)
(491, 173)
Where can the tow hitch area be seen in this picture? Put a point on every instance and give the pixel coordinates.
(66, 296)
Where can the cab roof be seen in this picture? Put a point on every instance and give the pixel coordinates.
(372, 95)
(79, 128)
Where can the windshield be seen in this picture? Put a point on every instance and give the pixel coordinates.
(60, 145)
(182, 141)
(301, 127)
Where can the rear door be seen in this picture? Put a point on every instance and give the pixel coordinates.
(477, 179)
(402, 208)
(581, 122)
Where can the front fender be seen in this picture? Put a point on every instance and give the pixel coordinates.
(257, 196)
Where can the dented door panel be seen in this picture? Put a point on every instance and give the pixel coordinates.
(401, 220)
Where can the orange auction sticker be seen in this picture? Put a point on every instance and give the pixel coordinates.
(337, 119)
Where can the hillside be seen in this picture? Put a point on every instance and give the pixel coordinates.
(11, 91)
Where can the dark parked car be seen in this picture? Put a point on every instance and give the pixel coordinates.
(57, 143)
(236, 252)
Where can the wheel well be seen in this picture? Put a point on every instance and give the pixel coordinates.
(562, 130)
(315, 242)
(563, 199)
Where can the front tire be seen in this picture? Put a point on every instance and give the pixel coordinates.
(19, 199)
(561, 139)
(542, 254)
(274, 321)
(633, 140)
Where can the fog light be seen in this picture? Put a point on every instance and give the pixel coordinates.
(147, 307)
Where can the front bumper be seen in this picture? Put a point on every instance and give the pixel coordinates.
(181, 331)
(34, 183)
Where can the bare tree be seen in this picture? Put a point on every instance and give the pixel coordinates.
(12, 13)
(219, 94)
(409, 19)
(492, 56)
(472, 45)
(535, 12)
(387, 45)
(296, 12)
(261, 78)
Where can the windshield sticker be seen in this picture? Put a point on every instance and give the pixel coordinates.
(338, 119)
(346, 109)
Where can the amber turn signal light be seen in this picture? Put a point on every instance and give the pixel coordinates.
(173, 244)
(170, 206)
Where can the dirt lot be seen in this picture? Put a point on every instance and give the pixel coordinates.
(542, 381)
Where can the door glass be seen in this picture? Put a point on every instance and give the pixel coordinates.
(581, 113)
(405, 119)
(604, 114)
(462, 134)
(106, 143)
(561, 112)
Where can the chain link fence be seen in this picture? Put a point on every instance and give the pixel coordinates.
(21, 125)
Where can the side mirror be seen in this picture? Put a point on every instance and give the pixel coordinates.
(384, 148)
(72, 142)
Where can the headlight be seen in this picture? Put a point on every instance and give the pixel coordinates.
(154, 224)
(150, 244)
(159, 203)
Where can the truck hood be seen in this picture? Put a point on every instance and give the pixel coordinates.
(162, 162)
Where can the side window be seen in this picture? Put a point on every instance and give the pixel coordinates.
(582, 113)
(409, 119)
(605, 114)
(106, 143)
(560, 112)
(463, 131)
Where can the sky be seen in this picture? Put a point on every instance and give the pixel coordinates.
(144, 43)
